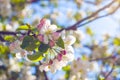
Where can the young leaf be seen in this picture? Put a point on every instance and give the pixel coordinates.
(9, 38)
(29, 43)
(78, 16)
(26, 27)
(23, 27)
(4, 49)
(89, 31)
(60, 43)
(35, 57)
(116, 41)
(43, 47)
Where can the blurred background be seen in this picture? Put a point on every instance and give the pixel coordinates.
(98, 42)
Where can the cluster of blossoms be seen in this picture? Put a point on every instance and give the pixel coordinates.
(15, 48)
(58, 57)
(79, 69)
(99, 51)
(5, 8)
(58, 47)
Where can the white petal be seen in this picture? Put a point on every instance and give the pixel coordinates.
(79, 34)
(18, 55)
(46, 39)
(52, 28)
(69, 49)
(69, 40)
(47, 22)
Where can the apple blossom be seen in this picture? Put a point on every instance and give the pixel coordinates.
(79, 69)
(55, 49)
(15, 48)
(62, 57)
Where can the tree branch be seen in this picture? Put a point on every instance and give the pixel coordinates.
(109, 72)
(45, 74)
(11, 33)
(1, 38)
(105, 58)
(101, 16)
(74, 27)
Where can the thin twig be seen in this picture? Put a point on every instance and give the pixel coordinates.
(94, 13)
(109, 57)
(101, 16)
(45, 74)
(46, 78)
(74, 27)
(11, 33)
(109, 72)
(1, 38)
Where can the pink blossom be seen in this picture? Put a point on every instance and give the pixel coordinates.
(40, 37)
(55, 35)
(51, 43)
(42, 22)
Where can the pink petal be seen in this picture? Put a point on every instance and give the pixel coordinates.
(40, 37)
(42, 22)
(55, 35)
(51, 43)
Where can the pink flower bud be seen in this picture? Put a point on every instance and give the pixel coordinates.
(42, 22)
(55, 35)
(63, 52)
(51, 43)
(50, 62)
(40, 37)
(59, 57)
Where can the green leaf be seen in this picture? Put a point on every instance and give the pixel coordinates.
(23, 27)
(26, 27)
(9, 38)
(35, 57)
(89, 31)
(29, 43)
(116, 41)
(78, 16)
(66, 68)
(4, 49)
(43, 47)
(60, 43)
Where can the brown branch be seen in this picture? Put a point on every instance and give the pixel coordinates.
(10, 33)
(109, 57)
(46, 78)
(45, 74)
(109, 72)
(1, 38)
(95, 13)
(74, 27)
(101, 16)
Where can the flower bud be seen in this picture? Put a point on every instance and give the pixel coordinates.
(63, 52)
(59, 57)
